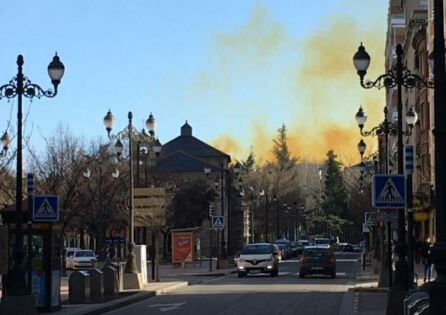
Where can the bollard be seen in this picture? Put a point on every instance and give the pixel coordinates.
(79, 287)
(111, 281)
(96, 284)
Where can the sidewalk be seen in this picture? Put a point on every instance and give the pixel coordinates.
(368, 298)
(171, 277)
(129, 297)
(419, 270)
(169, 271)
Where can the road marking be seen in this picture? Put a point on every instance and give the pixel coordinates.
(356, 303)
(338, 260)
(168, 307)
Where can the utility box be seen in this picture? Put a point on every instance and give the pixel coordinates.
(96, 284)
(79, 287)
(111, 281)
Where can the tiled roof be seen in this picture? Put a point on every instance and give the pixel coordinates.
(186, 142)
(180, 161)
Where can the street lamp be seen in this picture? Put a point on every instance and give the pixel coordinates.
(130, 134)
(397, 77)
(361, 147)
(21, 86)
(385, 127)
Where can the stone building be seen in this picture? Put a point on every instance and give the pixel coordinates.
(184, 158)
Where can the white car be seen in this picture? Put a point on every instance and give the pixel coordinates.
(83, 259)
(258, 257)
(69, 253)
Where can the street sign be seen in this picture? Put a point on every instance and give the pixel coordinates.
(388, 216)
(389, 191)
(370, 218)
(150, 206)
(365, 228)
(409, 159)
(46, 209)
(218, 222)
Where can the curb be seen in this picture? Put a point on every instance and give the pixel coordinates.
(118, 304)
(121, 302)
(371, 290)
(217, 274)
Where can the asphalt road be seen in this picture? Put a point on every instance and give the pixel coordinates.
(257, 294)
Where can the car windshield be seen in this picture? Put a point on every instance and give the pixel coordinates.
(322, 241)
(316, 253)
(86, 253)
(257, 249)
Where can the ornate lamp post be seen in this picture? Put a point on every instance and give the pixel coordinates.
(21, 86)
(398, 77)
(131, 134)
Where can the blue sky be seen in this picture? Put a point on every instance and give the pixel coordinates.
(234, 69)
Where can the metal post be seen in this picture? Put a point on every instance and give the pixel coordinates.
(222, 191)
(410, 243)
(437, 289)
(30, 233)
(16, 278)
(210, 248)
(389, 252)
(277, 221)
(153, 253)
(401, 280)
(130, 265)
(266, 218)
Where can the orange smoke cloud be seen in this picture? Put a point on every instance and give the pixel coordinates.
(319, 90)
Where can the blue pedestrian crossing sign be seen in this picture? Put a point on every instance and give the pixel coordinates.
(46, 209)
(218, 222)
(389, 191)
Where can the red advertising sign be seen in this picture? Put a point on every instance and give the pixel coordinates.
(182, 247)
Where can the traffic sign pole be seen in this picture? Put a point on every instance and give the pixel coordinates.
(409, 202)
(29, 248)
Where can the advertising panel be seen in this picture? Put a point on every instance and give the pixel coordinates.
(182, 247)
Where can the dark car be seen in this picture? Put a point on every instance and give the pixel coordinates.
(317, 260)
(348, 248)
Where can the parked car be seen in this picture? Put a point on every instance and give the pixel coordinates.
(294, 248)
(83, 259)
(322, 241)
(317, 260)
(348, 248)
(257, 258)
(301, 246)
(69, 253)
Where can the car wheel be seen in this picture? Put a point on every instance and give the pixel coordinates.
(301, 275)
(241, 274)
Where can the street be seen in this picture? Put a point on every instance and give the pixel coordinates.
(258, 294)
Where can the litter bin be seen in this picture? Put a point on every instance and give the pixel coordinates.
(79, 287)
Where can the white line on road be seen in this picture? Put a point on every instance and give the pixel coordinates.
(168, 307)
(338, 260)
